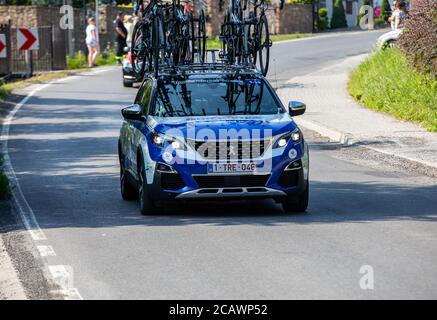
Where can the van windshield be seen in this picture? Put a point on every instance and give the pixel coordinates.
(214, 97)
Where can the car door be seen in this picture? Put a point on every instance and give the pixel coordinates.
(140, 127)
(128, 139)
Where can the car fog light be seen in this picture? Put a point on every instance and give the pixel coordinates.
(294, 165)
(164, 168)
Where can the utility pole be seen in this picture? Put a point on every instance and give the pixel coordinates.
(97, 20)
(70, 36)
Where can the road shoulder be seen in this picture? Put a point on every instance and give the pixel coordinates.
(10, 285)
(24, 273)
(332, 113)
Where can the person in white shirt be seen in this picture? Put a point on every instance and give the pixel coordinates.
(128, 24)
(92, 42)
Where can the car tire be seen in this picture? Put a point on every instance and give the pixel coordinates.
(146, 203)
(297, 204)
(128, 192)
(128, 84)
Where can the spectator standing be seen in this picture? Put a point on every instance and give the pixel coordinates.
(121, 35)
(92, 42)
(128, 24)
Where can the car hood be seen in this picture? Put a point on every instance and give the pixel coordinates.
(268, 125)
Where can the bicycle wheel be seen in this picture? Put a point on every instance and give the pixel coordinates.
(264, 45)
(228, 47)
(139, 49)
(252, 50)
(158, 43)
(201, 34)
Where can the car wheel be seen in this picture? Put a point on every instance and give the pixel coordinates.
(128, 191)
(297, 204)
(147, 205)
(128, 84)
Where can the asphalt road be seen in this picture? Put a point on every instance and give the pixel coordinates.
(363, 211)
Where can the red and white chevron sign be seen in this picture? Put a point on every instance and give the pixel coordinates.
(3, 53)
(27, 39)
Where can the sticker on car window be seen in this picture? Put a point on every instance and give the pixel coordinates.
(253, 81)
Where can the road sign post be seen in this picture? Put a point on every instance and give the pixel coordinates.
(27, 40)
(3, 47)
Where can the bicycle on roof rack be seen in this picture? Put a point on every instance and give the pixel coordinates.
(168, 34)
(246, 40)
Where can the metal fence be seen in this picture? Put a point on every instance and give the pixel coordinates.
(51, 54)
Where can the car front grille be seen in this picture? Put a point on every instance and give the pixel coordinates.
(225, 181)
(171, 181)
(230, 149)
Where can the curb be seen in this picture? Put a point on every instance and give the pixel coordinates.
(10, 285)
(347, 139)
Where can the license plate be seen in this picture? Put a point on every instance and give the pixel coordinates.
(232, 168)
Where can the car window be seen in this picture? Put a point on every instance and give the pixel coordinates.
(146, 96)
(140, 93)
(214, 97)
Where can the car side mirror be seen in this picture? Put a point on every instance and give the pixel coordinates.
(132, 112)
(296, 108)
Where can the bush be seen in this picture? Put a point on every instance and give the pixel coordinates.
(323, 19)
(419, 41)
(386, 82)
(379, 22)
(80, 60)
(385, 10)
(338, 19)
(107, 57)
(4, 186)
(77, 61)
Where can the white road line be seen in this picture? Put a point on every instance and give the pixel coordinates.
(19, 201)
(46, 251)
(21, 205)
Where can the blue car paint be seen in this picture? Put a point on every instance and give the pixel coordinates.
(278, 125)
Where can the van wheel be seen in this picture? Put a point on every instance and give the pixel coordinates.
(147, 205)
(128, 84)
(297, 204)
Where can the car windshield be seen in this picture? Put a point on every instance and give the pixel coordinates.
(207, 97)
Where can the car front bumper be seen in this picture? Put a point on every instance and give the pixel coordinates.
(192, 182)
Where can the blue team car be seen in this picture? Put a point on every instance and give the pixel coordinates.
(212, 134)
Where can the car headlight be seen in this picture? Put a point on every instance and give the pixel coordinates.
(294, 136)
(161, 140)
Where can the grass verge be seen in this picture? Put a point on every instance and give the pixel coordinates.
(386, 82)
(7, 88)
(215, 43)
(80, 60)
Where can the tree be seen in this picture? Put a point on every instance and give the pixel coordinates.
(419, 39)
(323, 19)
(338, 19)
(385, 10)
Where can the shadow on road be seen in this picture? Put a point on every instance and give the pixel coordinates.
(69, 175)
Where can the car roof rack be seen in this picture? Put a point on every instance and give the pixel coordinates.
(212, 68)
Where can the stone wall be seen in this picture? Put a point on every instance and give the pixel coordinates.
(36, 16)
(295, 18)
(291, 19)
